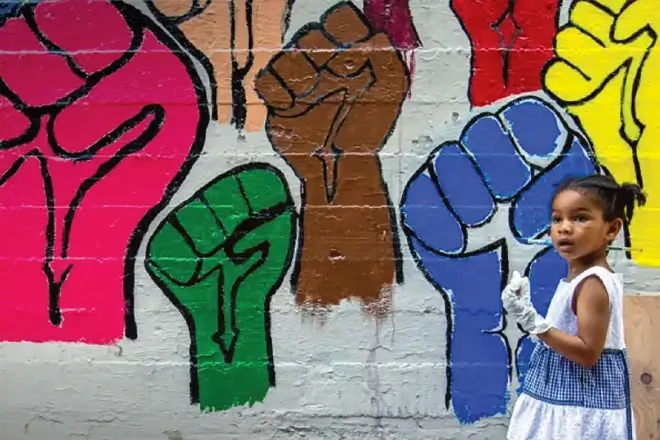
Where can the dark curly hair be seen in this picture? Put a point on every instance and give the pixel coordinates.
(617, 201)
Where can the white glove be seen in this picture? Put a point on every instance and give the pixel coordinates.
(517, 301)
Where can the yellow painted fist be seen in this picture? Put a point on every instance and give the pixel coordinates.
(604, 75)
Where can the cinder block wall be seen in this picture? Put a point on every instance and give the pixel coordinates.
(279, 219)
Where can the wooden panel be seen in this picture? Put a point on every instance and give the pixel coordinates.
(642, 320)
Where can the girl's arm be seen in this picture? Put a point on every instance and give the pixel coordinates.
(592, 308)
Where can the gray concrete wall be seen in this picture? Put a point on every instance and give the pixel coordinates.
(327, 251)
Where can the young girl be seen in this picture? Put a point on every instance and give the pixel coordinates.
(577, 384)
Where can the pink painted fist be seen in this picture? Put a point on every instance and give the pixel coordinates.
(99, 123)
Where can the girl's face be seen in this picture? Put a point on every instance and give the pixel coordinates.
(578, 228)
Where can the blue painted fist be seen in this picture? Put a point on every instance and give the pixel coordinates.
(468, 213)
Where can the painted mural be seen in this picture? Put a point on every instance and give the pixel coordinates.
(105, 108)
(332, 104)
(509, 162)
(79, 128)
(232, 40)
(219, 257)
(511, 41)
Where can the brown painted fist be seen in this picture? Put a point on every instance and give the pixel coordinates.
(333, 97)
(336, 89)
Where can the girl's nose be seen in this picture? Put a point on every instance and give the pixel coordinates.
(565, 227)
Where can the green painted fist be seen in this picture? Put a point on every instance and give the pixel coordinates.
(219, 257)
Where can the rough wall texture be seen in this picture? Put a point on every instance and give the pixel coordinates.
(265, 219)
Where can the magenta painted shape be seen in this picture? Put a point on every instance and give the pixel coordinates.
(394, 18)
(99, 122)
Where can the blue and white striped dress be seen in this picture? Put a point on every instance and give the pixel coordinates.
(562, 400)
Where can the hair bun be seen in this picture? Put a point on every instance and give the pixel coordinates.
(634, 193)
(630, 194)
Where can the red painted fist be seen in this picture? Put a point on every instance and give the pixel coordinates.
(511, 42)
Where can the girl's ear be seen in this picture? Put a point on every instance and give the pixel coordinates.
(613, 229)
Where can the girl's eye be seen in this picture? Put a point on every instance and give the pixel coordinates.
(556, 219)
(580, 218)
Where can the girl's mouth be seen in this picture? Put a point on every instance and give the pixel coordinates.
(565, 245)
